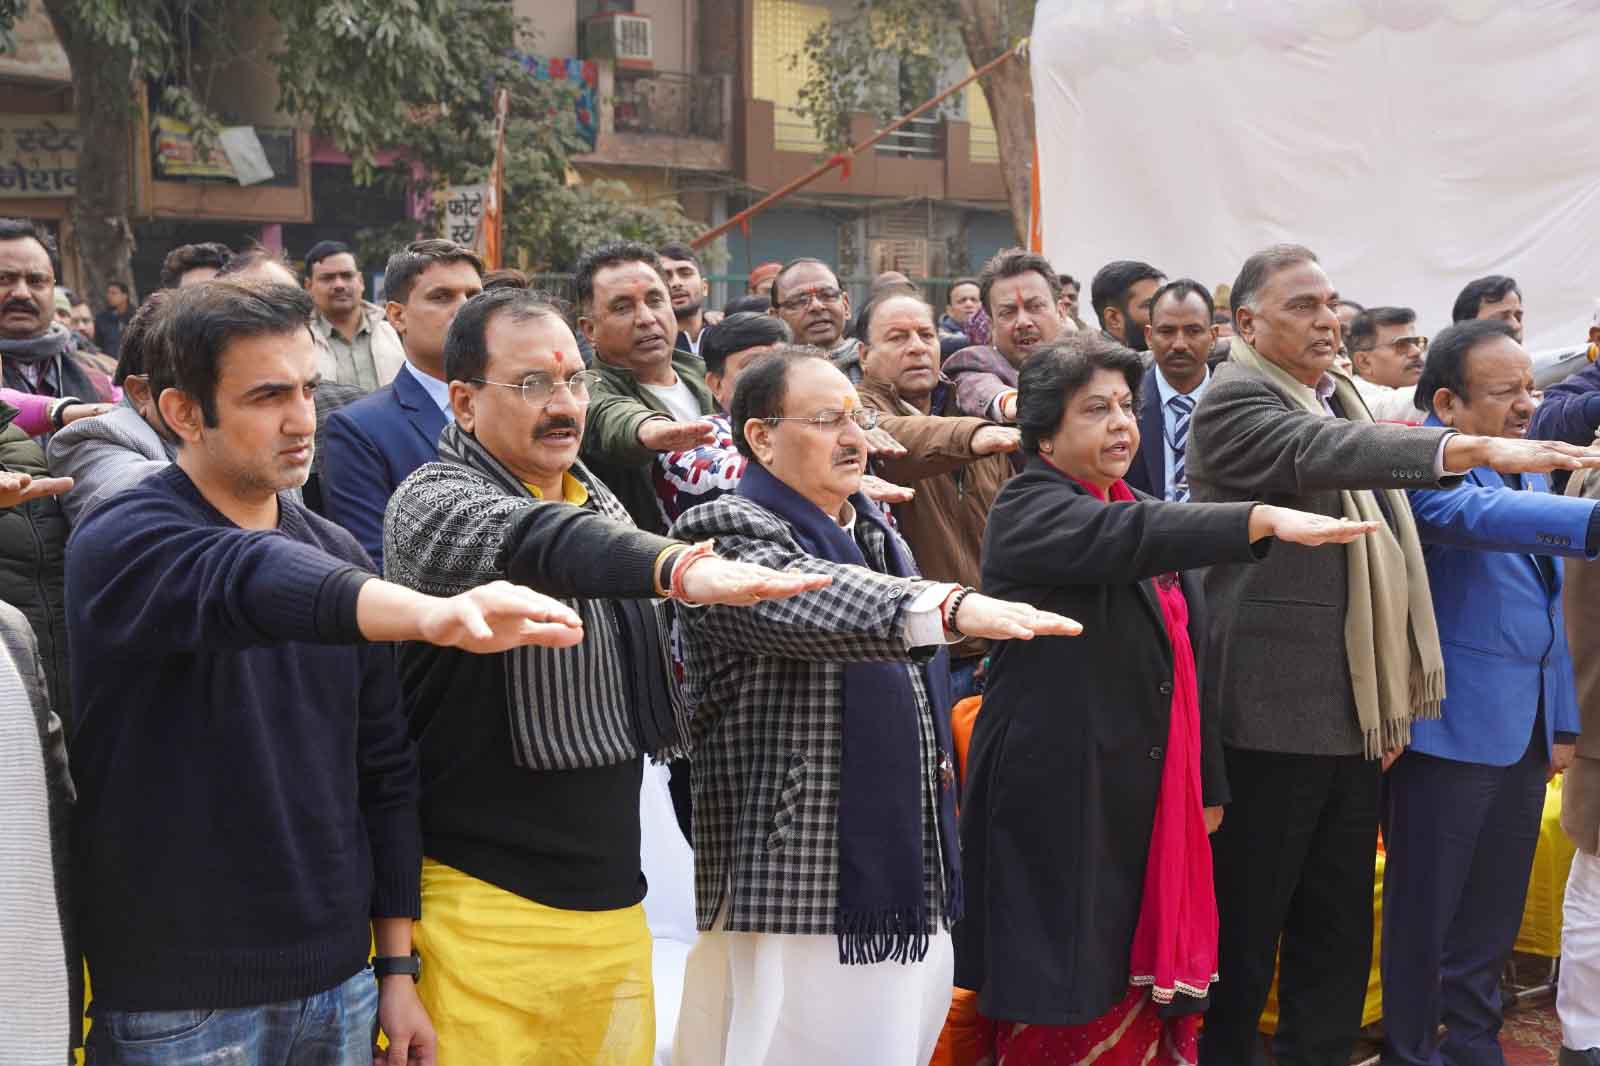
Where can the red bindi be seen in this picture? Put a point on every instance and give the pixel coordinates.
(560, 358)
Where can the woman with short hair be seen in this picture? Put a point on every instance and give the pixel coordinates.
(1093, 782)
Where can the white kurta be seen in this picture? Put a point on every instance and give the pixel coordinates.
(761, 999)
(668, 864)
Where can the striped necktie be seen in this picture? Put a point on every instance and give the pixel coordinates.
(1182, 408)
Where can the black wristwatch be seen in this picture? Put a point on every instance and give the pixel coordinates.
(389, 965)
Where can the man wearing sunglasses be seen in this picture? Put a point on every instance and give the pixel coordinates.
(1388, 353)
(371, 445)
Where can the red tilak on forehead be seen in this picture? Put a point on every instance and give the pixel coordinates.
(560, 357)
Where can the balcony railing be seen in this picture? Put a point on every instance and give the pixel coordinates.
(677, 105)
(917, 139)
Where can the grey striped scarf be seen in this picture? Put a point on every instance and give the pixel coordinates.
(597, 704)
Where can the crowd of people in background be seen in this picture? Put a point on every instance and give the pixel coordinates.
(802, 682)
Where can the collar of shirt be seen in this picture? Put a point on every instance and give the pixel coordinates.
(1324, 390)
(847, 519)
(572, 490)
(1167, 392)
(437, 390)
(323, 327)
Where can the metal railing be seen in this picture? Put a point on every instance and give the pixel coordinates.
(918, 139)
(678, 105)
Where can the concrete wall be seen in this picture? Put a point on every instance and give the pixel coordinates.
(555, 25)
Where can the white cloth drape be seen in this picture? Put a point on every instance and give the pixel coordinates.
(1413, 144)
(1578, 994)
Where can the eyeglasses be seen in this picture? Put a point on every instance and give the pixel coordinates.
(801, 300)
(864, 418)
(1400, 344)
(539, 389)
(9, 279)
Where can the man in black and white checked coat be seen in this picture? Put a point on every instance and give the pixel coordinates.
(766, 982)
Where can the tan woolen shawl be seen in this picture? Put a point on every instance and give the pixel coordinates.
(1390, 636)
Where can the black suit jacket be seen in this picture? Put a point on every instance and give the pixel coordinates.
(1148, 474)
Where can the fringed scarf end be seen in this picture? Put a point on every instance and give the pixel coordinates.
(882, 936)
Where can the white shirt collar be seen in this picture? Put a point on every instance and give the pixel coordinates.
(1167, 392)
(847, 518)
(438, 391)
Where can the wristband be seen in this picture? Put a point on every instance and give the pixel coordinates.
(661, 571)
(390, 965)
(58, 407)
(681, 565)
(954, 605)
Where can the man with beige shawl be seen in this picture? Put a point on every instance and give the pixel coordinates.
(1319, 662)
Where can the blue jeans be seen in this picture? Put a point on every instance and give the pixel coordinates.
(333, 1028)
(964, 680)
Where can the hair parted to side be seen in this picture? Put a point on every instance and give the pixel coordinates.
(777, 279)
(1181, 290)
(466, 345)
(22, 229)
(198, 324)
(1363, 333)
(325, 250)
(1260, 267)
(400, 274)
(1113, 282)
(1051, 376)
(762, 388)
(740, 332)
(1012, 263)
(1446, 365)
(679, 251)
(1491, 289)
(863, 324)
(613, 253)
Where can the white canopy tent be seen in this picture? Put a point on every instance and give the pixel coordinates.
(1413, 144)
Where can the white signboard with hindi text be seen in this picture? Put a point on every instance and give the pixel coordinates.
(461, 213)
(38, 156)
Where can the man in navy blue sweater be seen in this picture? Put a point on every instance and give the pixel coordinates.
(247, 812)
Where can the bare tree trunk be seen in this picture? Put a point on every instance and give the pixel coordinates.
(103, 87)
(1009, 91)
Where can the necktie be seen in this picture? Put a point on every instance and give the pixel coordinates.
(1182, 407)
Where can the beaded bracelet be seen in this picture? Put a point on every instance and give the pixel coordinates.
(681, 565)
(954, 599)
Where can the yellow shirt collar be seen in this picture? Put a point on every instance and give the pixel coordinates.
(572, 491)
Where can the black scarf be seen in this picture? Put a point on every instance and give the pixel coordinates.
(881, 910)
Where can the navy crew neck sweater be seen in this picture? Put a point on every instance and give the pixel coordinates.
(247, 793)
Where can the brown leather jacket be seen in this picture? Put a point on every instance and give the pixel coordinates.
(944, 524)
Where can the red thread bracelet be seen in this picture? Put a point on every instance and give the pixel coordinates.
(681, 565)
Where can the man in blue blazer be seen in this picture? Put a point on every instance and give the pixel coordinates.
(372, 445)
(1180, 335)
(1465, 799)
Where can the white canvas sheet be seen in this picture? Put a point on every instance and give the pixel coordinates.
(1413, 144)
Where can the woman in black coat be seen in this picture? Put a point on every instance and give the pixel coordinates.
(1093, 781)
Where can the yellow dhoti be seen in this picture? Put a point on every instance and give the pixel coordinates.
(509, 981)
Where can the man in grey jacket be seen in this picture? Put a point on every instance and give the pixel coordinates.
(119, 449)
(1319, 662)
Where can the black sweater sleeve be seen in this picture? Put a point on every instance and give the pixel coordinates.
(141, 563)
(563, 550)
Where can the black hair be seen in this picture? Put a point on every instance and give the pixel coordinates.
(748, 302)
(777, 279)
(863, 323)
(1219, 317)
(1068, 279)
(1053, 374)
(762, 388)
(958, 282)
(678, 250)
(123, 285)
(1446, 365)
(324, 250)
(1260, 267)
(1113, 282)
(614, 253)
(143, 338)
(1364, 327)
(505, 278)
(1492, 289)
(187, 257)
(466, 345)
(1351, 303)
(400, 274)
(1181, 290)
(1014, 262)
(201, 321)
(740, 332)
(253, 257)
(22, 229)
